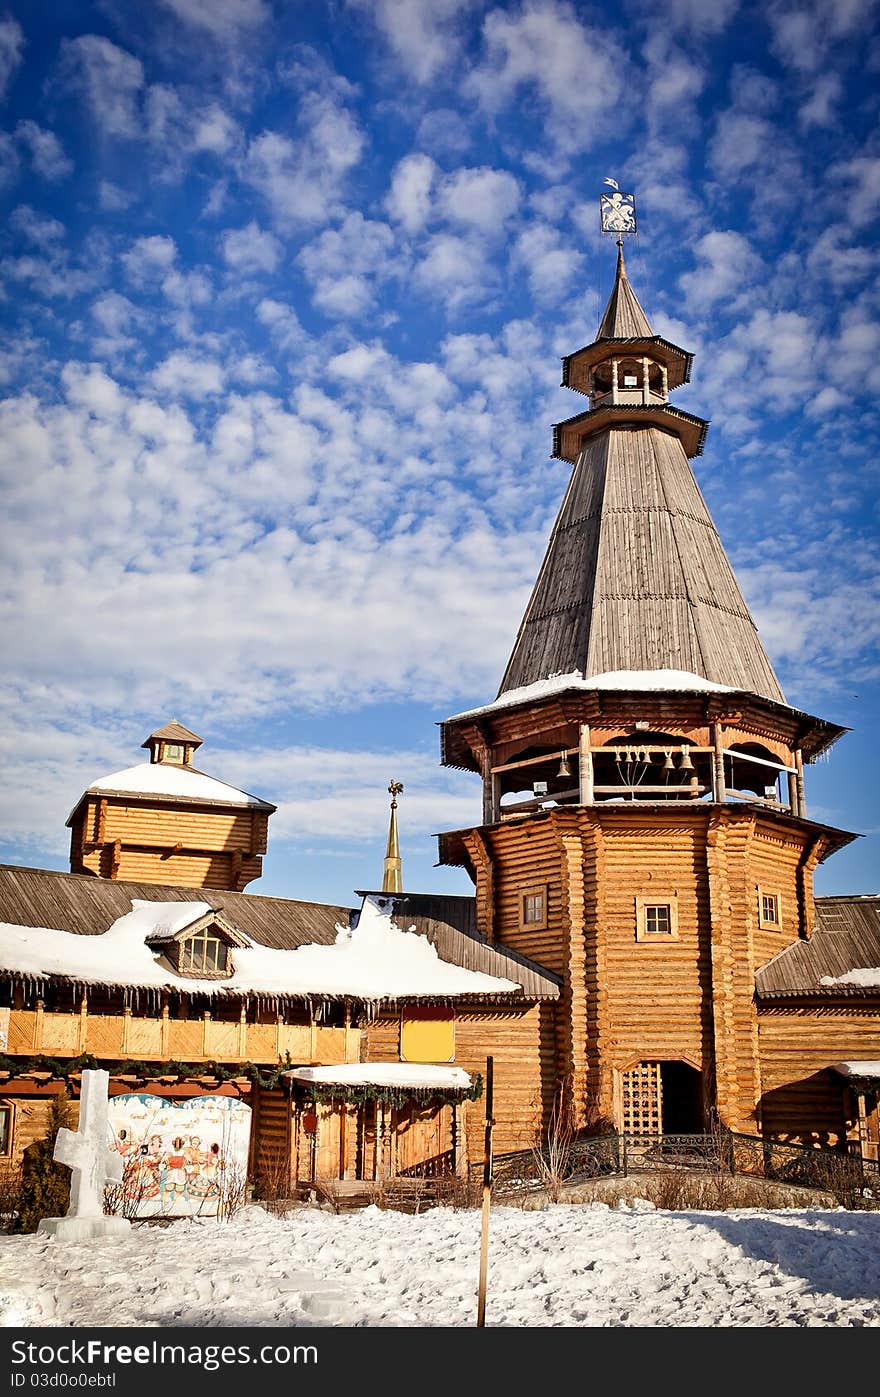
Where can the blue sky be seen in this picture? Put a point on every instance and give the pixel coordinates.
(286, 288)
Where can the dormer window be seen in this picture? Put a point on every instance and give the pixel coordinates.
(203, 954)
(201, 949)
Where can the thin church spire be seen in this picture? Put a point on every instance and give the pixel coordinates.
(392, 877)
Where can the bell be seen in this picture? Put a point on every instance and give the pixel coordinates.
(564, 768)
(668, 763)
(686, 763)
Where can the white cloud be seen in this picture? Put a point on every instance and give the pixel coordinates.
(409, 199)
(423, 34)
(35, 227)
(114, 313)
(301, 180)
(727, 266)
(250, 249)
(46, 152)
(11, 48)
(804, 33)
(444, 131)
(480, 198)
(863, 202)
(674, 79)
(222, 19)
(281, 321)
(578, 72)
(112, 197)
(110, 81)
(343, 265)
(180, 127)
(455, 270)
(551, 263)
(741, 142)
(186, 376)
(149, 258)
(825, 94)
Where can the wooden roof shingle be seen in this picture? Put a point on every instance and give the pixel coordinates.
(635, 576)
(846, 937)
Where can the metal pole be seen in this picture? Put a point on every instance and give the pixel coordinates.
(487, 1192)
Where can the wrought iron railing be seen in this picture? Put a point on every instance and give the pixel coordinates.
(848, 1177)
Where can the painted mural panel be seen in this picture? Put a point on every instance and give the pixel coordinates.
(181, 1159)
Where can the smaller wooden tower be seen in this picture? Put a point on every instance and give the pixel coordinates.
(163, 821)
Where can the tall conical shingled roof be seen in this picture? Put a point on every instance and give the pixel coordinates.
(624, 318)
(635, 576)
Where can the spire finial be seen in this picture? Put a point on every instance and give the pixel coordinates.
(392, 877)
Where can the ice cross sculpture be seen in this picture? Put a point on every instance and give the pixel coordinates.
(86, 1152)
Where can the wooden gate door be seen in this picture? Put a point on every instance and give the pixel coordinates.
(642, 1099)
(870, 1125)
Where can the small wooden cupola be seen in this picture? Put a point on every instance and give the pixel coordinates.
(173, 743)
(201, 949)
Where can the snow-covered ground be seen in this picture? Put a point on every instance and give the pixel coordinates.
(565, 1265)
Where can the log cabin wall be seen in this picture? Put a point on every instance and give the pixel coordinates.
(628, 998)
(522, 1042)
(803, 1101)
(169, 843)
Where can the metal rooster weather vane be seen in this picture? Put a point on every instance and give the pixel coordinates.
(617, 212)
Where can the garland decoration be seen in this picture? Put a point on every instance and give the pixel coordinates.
(391, 1096)
(65, 1068)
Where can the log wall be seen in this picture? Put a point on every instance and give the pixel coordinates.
(802, 1100)
(197, 846)
(522, 1043)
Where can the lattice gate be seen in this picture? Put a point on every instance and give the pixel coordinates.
(642, 1099)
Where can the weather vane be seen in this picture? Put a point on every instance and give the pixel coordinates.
(617, 212)
(394, 791)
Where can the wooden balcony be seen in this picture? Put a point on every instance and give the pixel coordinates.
(36, 1032)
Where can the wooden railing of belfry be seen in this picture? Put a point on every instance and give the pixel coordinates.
(163, 1039)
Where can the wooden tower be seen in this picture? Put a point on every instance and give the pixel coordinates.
(163, 821)
(644, 832)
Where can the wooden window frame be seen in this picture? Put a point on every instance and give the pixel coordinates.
(204, 935)
(9, 1109)
(534, 890)
(767, 923)
(669, 900)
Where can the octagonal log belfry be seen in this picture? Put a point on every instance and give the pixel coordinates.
(645, 831)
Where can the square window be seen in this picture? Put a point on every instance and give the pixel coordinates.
(173, 752)
(657, 920)
(533, 908)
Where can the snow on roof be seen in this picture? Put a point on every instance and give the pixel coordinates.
(374, 960)
(158, 778)
(384, 1074)
(866, 977)
(857, 1069)
(649, 680)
